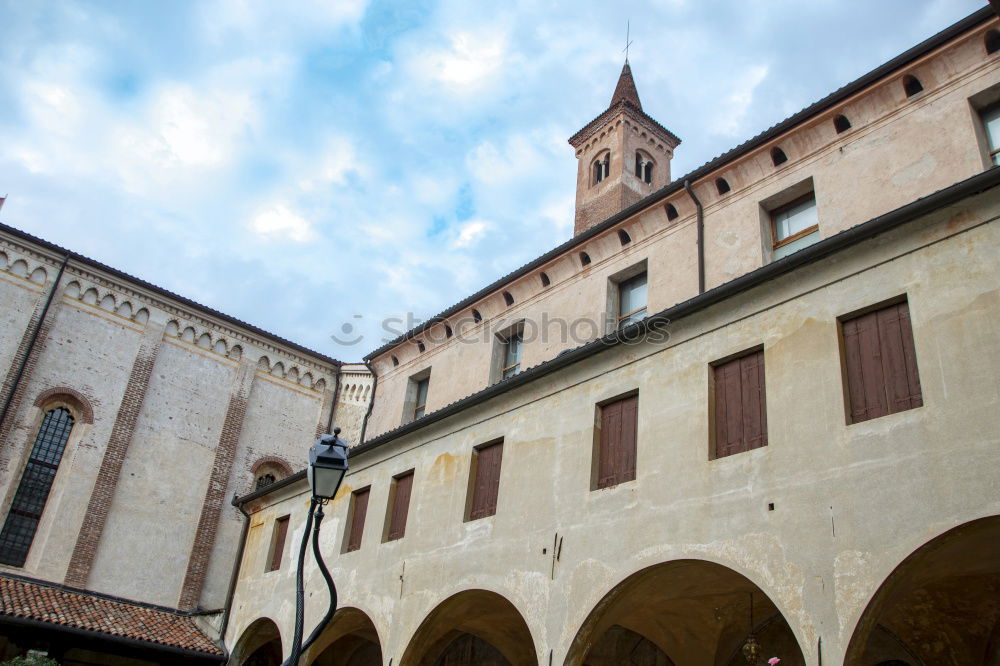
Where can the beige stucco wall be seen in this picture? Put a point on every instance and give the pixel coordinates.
(898, 150)
(885, 486)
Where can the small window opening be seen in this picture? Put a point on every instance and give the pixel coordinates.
(601, 168)
(264, 480)
(395, 361)
(778, 156)
(584, 258)
(420, 346)
(643, 168)
(476, 317)
(912, 85)
(671, 212)
(545, 279)
(624, 237)
(508, 299)
(447, 331)
(721, 185)
(841, 124)
(648, 173)
(992, 41)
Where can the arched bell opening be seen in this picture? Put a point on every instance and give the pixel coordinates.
(472, 627)
(260, 645)
(685, 612)
(349, 640)
(940, 605)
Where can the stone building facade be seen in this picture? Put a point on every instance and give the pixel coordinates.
(752, 412)
(131, 416)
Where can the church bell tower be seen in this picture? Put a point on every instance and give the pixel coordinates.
(623, 155)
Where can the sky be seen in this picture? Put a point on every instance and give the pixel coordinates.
(327, 170)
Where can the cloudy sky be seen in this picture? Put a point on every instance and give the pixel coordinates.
(306, 164)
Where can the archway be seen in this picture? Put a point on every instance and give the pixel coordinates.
(472, 627)
(689, 612)
(260, 645)
(941, 605)
(349, 640)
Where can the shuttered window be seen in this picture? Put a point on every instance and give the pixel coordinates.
(278, 543)
(880, 363)
(33, 490)
(402, 486)
(358, 512)
(486, 481)
(616, 445)
(740, 405)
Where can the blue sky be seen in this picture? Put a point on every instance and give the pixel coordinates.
(301, 165)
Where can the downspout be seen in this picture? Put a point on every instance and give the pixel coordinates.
(235, 575)
(31, 342)
(700, 216)
(371, 403)
(336, 397)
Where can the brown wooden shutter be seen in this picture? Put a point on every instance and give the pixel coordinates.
(740, 405)
(280, 531)
(881, 363)
(616, 454)
(400, 506)
(486, 488)
(358, 519)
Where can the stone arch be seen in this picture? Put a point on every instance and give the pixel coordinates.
(258, 645)
(264, 364)
(941, 604)
(205, 341)
(20, 268)
(306, 379)
(141, 317)
(125, 309)
(272, 462)
(3, 261)
(493, 623)
(78, 405)
(220, 347)
(39, 275)
(236, 352)
(293, 374)
(73, 289)
(173, 328)
(90, 296)
(278, 369)
(351, 639)
(108, 302)
(187, 335)
(320, 385)
(683, 612)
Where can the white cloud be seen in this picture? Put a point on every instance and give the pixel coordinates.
(281, 223)
(471, 61)
(733, 110)
(471, 232)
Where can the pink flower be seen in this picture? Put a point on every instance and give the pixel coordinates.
(773, 660)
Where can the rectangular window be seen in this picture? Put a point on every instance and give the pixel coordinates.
(511, 356)
(421, 401)
(277, 543)
(507, 348)
(415, 401)
(615, 442)
(359, 509)
(399, 505)
(632, 299)
(794, 226)
(485, 480)
(880, 363)
(991, 124)
(740, 411)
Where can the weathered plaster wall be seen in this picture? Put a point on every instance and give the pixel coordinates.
(898, 150)
(851, 501)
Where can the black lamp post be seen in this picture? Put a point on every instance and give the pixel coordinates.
(327, 467)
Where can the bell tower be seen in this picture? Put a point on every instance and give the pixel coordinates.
(622, 156)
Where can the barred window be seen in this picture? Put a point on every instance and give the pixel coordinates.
(29, 501)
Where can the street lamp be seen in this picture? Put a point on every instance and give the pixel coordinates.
(327, 467)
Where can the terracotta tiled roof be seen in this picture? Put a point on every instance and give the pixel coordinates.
(79, 610)
(626, 91)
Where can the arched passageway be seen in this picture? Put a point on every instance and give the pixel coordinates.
(686, 612)
(472, 627)
(260, 645)
(941, 605)
(349, 640)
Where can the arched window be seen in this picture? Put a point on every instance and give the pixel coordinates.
(671, 212)
(643, 167)
(420, 346)
(912, 85)
(841, 124)
(601, 168)
(447, 331)
(545, 279)
(395, 361)
(476, 317)
(33, 491)
(778, 156)
(624, 237)
(264, 480)
(508, 299)
(721, 185)
(992, 41)
(584, 258)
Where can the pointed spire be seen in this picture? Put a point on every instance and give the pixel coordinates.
(625, 90)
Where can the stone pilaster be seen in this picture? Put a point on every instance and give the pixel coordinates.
(114, 456)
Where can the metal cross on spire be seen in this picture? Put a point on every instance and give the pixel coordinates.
(628, 42)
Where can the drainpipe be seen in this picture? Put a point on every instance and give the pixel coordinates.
(336, 397)
(31, 342)
(235, 575)
(371, 403)
(700, 215)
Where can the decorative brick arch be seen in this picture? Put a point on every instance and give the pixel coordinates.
(73, 398)
(280, 463)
